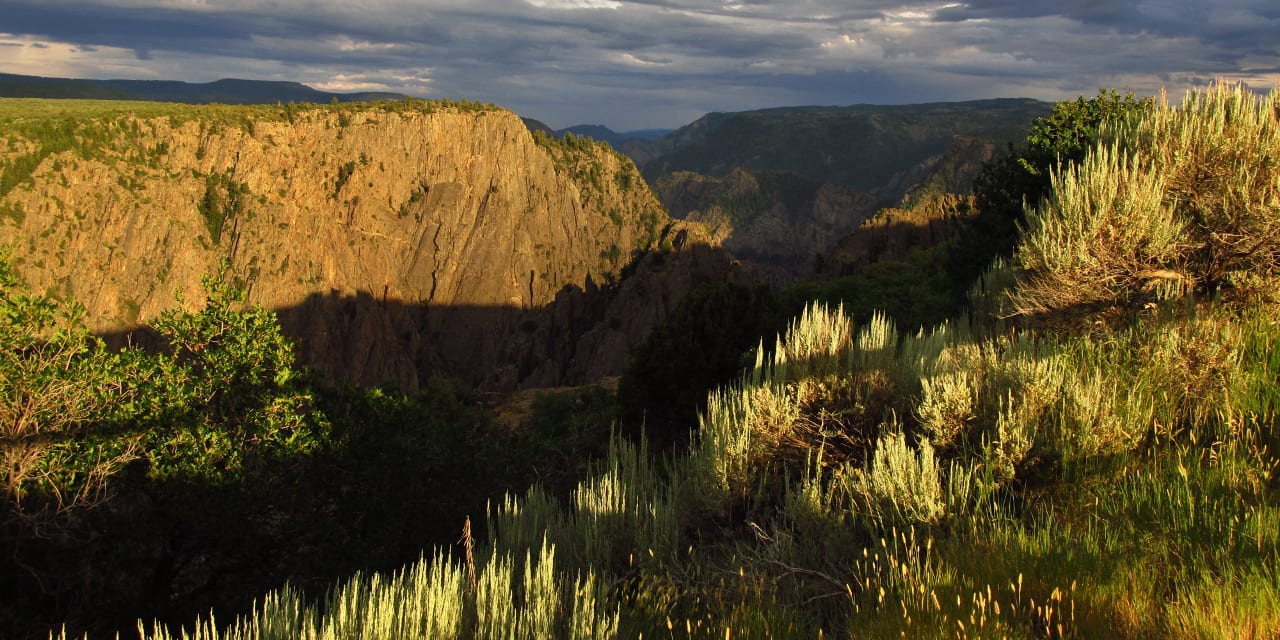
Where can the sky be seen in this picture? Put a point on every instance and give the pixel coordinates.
(658, 63)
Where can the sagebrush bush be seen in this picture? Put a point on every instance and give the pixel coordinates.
(900, 485)
(816, 344)
(429, 600)
(1104, 234)
(1219, 153)
(625, 508)
(947, 407)
(1183, 199)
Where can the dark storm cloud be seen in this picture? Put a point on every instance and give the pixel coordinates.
(172, 28)
(1109, 12)
(1230, 25)
(643, 63)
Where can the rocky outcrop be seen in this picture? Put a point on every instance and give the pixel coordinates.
(394, 240)
(950, 172)
(893, 234)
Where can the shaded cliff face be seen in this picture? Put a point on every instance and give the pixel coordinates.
(395, 240)
(787, 228)
(777, 223)
(587, 334)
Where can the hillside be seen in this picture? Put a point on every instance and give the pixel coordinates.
(893, 234)
(617, 139)
(1101, 462)
(781, 187)
(778, 223)
(1086, 449)
(394, 239)
(862, 147)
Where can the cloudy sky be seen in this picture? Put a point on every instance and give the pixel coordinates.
(634, 64)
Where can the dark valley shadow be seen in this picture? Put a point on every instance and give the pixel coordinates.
(585, 334)
(410, 449)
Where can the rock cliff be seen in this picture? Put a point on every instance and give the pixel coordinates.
(777, 223)
(394, 239)
(892, 234)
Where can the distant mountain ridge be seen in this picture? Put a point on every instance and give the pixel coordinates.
(616, 139)
(225, 91)
(863, 147)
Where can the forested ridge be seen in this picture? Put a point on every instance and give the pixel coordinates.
(1059, 420)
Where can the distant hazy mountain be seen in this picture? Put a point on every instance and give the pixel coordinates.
(775, 222)
(615, 139)
(863, 147)
(228, 91)
(537, 125)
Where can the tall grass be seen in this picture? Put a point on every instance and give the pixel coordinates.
(427, 600)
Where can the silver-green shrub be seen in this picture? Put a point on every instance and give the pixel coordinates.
(1185, 199)
(1219, 155)
(899, 484)
(1103, 233)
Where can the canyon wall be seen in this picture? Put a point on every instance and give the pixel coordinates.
(395, 239)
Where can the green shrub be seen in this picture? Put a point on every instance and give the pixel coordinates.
(566, 436)
(224, 199)
(1017, 181)
(1219, 155)
(56, 383)
(917, 292)
(344, 174)
(1022, 177)
(898, 485)
(229, 385)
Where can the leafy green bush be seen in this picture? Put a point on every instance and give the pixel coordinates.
(566, 435)
(228, 389)
(56, 381)
(1022, 176)
(917, 292)
(141, 455)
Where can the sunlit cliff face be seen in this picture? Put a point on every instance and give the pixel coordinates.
(420, 207)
